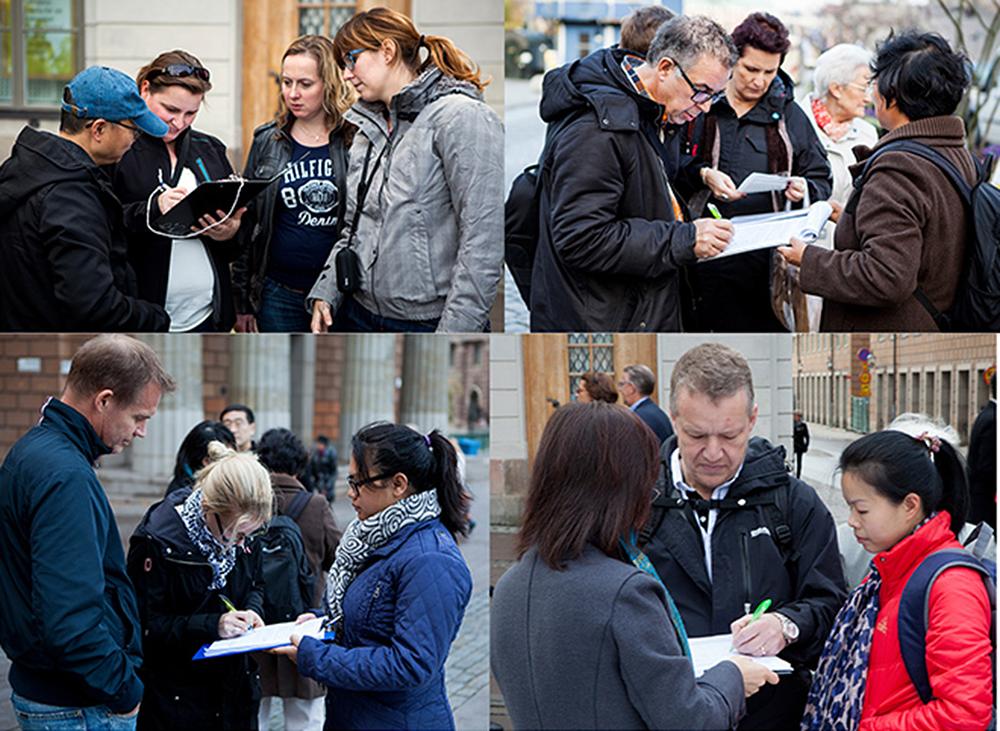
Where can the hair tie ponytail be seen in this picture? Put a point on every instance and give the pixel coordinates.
(422, 41)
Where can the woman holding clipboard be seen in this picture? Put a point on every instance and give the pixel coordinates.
(197, 580)
(291, 227)
(398, 586)
(188, 275)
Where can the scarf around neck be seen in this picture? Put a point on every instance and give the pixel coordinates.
(836, 698)
(221, 559)
(836, 131)
(362, 537)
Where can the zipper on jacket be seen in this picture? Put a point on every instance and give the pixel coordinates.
(745, 546)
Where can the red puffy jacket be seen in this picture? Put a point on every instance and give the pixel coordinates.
(958, 644)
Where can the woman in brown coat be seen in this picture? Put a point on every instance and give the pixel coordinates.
(302, 699)
(908, 231)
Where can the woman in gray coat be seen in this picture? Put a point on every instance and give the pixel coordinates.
(424, 210)
(580, 637)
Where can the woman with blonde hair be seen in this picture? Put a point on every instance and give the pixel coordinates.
(423, 248)
(198, 579)
(187, 275)
(292, 226)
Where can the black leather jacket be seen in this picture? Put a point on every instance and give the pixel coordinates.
(270, 152)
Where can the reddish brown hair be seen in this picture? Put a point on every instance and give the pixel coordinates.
(764, 32)
(592, 482)
(370, 28)
(600, 387)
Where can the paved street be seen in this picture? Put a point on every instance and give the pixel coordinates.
(525, 135)
(467, 670)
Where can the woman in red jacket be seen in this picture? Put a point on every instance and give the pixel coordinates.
(908, 498)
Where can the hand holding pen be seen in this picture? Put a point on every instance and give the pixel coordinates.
(758, 633)
(236, 622)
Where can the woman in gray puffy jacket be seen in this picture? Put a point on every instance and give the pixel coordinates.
(424, 224)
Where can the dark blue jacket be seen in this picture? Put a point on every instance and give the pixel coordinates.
(655, 419)
(68, 616)
(401, 614)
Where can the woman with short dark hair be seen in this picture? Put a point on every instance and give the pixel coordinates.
(580, 637)
(596, 387)
(900, 245)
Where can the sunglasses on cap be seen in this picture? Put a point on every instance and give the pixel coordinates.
(181, 70)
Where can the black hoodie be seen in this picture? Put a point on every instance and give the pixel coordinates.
(609, 247)
(62, 244)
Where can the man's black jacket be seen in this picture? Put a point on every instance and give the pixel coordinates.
(609, 249)
(63, 263)
(135, 177)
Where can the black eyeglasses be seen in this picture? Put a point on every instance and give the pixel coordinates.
(353, 483)
(136, 132)
(699, 95)
(181, 70)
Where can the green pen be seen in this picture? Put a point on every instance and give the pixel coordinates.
(761, 608)
(713, 210)
(229, 605)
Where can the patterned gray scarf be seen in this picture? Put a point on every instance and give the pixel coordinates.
(222, 559)
(364, 536)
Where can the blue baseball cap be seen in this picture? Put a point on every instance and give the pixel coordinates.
(100, 92)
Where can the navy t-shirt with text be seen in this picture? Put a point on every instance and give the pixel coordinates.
(305, 218)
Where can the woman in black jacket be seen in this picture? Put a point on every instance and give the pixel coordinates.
(188, 276)
(292, 226)
(188, 557)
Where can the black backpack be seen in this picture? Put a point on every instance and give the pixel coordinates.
(522, 214)
(977, 302)
(288, 579)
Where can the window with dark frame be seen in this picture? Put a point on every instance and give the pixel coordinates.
(322, 17)
(589, 352)
(40, 51)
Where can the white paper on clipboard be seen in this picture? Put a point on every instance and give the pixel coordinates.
(767, 230)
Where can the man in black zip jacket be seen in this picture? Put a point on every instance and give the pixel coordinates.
(612, 235)
(68, 616)
(62, 242)
(731, 528)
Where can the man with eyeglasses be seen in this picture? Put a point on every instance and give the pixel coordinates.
(70, 622)
(62, 238)
(756, 126)
(613, 235)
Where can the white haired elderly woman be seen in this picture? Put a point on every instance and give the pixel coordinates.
(836, 107)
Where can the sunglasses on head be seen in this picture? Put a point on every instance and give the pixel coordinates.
(180, 70)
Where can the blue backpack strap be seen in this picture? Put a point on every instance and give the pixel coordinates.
(297, 504)
(913, 611)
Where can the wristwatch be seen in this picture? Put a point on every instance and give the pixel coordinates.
(789, 629)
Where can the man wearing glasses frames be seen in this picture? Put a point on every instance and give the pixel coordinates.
(62, 237)
(613, 236)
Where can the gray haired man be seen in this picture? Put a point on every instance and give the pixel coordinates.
(612, 234)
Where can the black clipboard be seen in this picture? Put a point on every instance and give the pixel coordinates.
(207, 198)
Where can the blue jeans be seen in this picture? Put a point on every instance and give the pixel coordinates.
(282, 310)
(32, 716)
(353, 318)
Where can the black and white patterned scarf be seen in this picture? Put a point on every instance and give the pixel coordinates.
(222, 559)
(837, 695)
(364, 536)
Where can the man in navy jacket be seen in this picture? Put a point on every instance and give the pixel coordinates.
(636, 388)
(70, 624)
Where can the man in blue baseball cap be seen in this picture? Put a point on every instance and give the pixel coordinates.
(62, 240)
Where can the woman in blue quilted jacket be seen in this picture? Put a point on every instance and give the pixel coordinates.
(398, 587)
